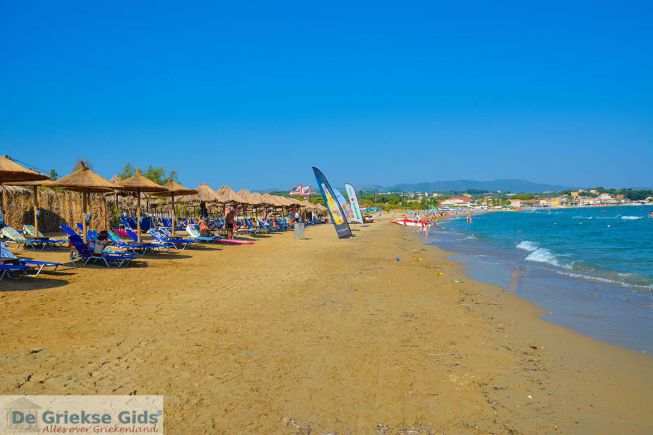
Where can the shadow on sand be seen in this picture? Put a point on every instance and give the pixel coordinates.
(28, 283)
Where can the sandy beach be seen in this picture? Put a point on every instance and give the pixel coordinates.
(379, 334)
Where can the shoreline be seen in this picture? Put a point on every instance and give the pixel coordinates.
(597, 302)
(337, 337)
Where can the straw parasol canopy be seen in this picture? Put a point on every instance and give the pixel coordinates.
(12, 172)
(138, 183)
(307, 204)
(85, 181)
(293, 202)
(175, 189)
(257, 197)
(271, 200)
(205, 194)
(286, 202)
(249, 197)
(227, 195)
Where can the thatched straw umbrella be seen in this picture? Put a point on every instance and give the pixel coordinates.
(11, 172)
(286, 203)
(138, 183)
(85, 181)
(270, 200)
(175, 189)
(204, 195)
(257, 197)
(226, 195)
(250, 199)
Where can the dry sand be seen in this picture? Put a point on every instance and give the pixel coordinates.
(316, 336)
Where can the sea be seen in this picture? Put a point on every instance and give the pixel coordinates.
(590, 269)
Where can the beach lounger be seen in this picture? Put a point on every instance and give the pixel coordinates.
(31, 232)
(7, 269)
(175, 243)
(90, 234)
(5, 253)
(16, 237)
(217, 239)
(87, 255)
(40, 265)
(156, 243)
(194, 234)
(134, 246)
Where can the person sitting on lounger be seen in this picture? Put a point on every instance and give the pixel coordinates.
(101, 242)
(204, 229)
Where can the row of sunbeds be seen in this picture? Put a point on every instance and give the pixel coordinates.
(125, 245)
(13, 265)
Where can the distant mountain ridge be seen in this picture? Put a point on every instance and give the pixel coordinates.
(503, 185)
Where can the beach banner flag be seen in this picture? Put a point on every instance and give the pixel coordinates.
(335, 211)
(297, 190)
(344, 204)
(353, 200)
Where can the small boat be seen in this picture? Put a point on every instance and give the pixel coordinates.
(410, 223)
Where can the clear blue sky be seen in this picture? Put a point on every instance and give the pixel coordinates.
(254, 93)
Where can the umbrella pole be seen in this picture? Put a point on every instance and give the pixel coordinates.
(36, 210)
(84, 207)
(138, 216)
(115, 193)
(173, 215)
(3, 197)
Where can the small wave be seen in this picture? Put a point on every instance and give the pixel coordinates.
(631, 218)
(470, 238)
(543, 255)
(527, 245)
(608, 280)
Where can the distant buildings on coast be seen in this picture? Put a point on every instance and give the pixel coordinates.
(578, 198)
(509, 201)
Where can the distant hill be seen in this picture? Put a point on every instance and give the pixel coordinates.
(508, 186)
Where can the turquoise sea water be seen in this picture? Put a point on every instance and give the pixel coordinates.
(590, 268)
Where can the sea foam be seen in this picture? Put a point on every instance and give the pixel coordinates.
(527, 245)
(543, 255)
(631, 218)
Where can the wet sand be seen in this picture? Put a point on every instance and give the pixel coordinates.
(316, 336)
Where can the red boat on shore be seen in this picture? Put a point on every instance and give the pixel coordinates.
(411, 223)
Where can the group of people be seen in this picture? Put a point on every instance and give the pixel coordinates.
(229, 221)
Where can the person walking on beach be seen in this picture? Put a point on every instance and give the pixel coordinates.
(230, 222)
